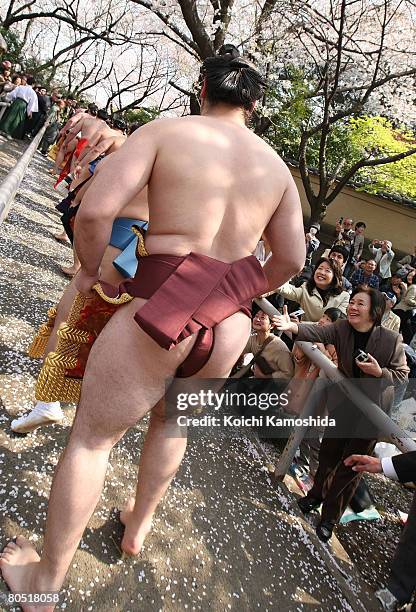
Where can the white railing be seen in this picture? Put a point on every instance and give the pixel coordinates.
(12, 181)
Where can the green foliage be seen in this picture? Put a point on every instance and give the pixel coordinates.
(141, 115)
(291, 112)
(377, 137)
(32, 66)
(288, 110)
(14, 46)
(26, 64)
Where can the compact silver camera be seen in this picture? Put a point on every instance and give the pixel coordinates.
(362, 356)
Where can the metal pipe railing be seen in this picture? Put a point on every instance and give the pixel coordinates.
(369, 409)
(3, 107)
(13, 179)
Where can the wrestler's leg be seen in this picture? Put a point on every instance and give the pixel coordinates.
(59, 159)
(61, 237)
(48, 413)
(162, 454)
(81, 192)
(160, 459)
(62, 311)
(108, 274)
(62, 153)
(116, 393)
(72, 270)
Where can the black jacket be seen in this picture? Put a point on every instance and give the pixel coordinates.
(405, 466)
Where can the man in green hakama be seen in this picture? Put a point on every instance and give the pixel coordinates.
(24, 103)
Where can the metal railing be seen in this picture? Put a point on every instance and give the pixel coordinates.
(13, 179)
(3, 107)
(383, 423)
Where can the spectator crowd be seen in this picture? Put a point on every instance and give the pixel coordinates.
(361, 301)
(27, 104)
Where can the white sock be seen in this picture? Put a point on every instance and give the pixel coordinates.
(46, 406)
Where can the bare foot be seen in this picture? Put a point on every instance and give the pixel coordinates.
(62, 237)
(135, 533)
(18, 564)
(69, 271)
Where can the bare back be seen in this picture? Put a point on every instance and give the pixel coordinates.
(91, 125)
(73, 121)
(86, 127)
(213, 189)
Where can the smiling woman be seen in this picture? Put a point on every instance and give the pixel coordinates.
(322, 291)
(365, 350)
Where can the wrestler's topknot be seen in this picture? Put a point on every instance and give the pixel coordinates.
(93, 109)
(232, 79)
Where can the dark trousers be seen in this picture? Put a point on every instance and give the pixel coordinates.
(335, 483)
(37, 123)
(49, 137)
(406, 326)
(402, 581)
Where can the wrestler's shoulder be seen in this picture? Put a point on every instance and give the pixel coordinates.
(274, 159)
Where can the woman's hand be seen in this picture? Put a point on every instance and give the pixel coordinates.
(370, 367)
(283, 323)
(84, 282)
(364, 463)
(321, 347)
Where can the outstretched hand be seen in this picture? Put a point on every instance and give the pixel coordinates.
(364, 463)
(283, 322)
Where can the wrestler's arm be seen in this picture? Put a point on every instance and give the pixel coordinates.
(71, 122)
(285, 235)
(73, 133)
(100, 149)
(116, 182)
(93, 142)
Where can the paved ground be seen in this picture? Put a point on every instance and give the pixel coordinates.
(223, 539)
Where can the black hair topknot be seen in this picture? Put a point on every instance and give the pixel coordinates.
(231, 79)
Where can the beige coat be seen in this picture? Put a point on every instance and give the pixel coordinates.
(277, 355)
(392, 322)
(313, 304)
(408, 301)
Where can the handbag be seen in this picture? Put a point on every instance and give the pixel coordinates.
(245, 371)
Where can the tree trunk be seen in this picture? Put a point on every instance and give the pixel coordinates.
(318, 209)
(194, 105)
(261, 124)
